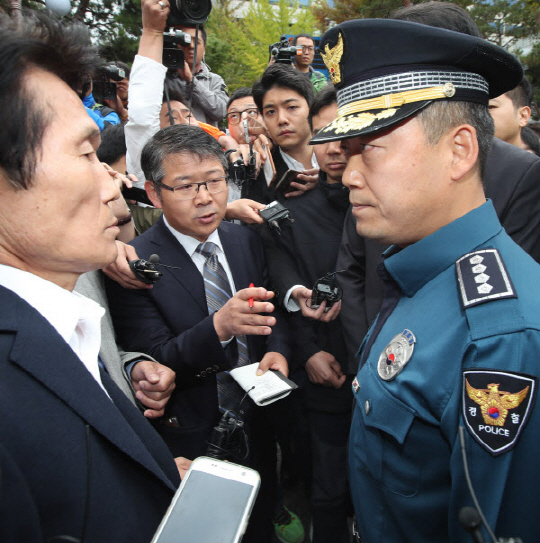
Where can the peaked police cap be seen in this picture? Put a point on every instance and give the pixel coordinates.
(385, 71)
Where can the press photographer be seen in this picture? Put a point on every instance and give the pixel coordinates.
(205, 90)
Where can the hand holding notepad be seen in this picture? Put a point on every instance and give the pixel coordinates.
(263, 389)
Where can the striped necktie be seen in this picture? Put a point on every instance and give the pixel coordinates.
(218, 291)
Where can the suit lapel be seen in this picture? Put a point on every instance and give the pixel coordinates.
(142, 428)
(172, 253)
(236, 257)
(41, 352)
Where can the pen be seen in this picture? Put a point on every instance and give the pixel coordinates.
(251, 285)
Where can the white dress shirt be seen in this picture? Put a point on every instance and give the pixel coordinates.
(190, 245)
(76, 318)
(293, 164)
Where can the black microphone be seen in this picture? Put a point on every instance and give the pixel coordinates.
(145, 270)
(470, 520)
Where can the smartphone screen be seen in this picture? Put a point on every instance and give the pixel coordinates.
(209, 508)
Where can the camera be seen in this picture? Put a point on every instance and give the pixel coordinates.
(239, 173)
(114, 72)
(145, 270)
(189, 12)
(103, 87)
(172, 56)
(283, 52)
(326, 289)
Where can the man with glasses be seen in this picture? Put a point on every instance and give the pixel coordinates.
(242, 106)
(199, 316)
(303, 62)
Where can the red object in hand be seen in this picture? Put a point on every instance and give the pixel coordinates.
(251, 285)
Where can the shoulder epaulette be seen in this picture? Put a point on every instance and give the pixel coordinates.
(483, 277)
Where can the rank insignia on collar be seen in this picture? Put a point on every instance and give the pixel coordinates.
(332, 58)
(496, 406)
(396, 355)
(482, 277)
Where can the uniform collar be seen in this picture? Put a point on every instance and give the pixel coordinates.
(416, 265)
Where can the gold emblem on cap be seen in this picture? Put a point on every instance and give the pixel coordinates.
(449, 90)
(332, 59)
(357, 122)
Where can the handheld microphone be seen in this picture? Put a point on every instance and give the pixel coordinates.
(146, 270)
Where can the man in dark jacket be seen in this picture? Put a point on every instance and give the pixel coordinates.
(77, 458)
(303, 252)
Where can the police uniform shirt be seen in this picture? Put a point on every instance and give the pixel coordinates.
(461, 336)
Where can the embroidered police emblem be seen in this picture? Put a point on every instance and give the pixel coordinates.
(496, 406)
(396, 355)
(482, 276)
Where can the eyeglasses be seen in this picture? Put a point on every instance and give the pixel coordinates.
(236, 116)
(308, 48)
(189, 191)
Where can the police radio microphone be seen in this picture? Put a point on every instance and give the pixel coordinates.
(471, 522)
(470, 518)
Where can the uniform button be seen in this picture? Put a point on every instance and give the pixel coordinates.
(367, 407)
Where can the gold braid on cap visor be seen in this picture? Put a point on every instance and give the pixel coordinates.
(398, 99)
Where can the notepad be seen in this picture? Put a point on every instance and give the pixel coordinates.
(263, 389)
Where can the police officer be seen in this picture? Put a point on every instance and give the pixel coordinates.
(454, 346)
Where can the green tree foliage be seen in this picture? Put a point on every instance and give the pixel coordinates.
(237, 47)
(345, 10)
(504, 22)
(115, 25)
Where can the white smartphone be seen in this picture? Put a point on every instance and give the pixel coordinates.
(213, 503)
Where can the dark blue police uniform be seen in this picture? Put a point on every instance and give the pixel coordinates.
(460, 348)
(454, 349)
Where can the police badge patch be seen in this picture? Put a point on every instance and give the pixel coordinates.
(496, 406)
(396, 355)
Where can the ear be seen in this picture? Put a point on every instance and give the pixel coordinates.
(464, 146)
(524, 114)
(152, 194)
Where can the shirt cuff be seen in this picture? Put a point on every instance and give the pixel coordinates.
(290, 304)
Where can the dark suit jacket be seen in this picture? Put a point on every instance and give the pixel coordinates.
(73, 452)
(171, 323)
(511, 181)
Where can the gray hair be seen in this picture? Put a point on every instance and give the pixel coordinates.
(441, 116)
(178, 139)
